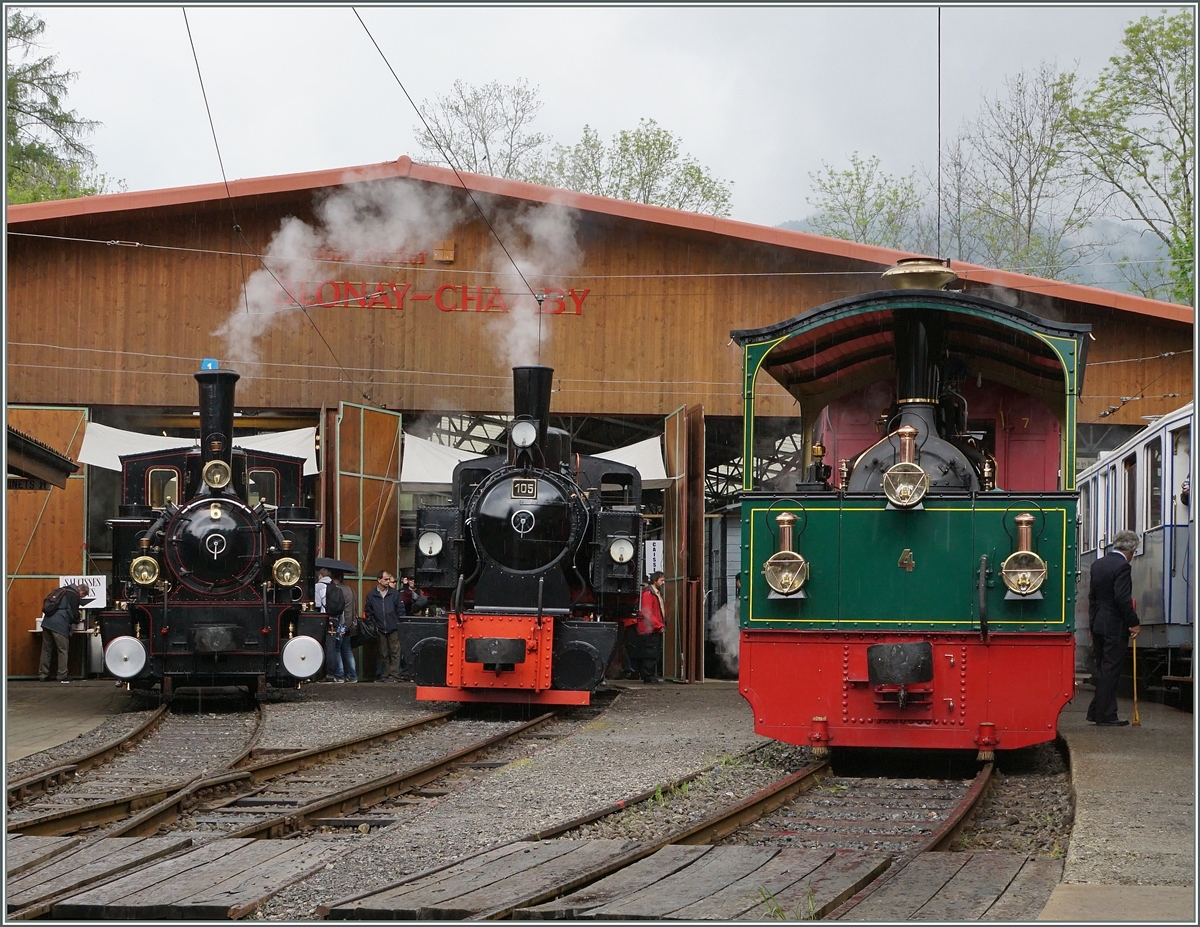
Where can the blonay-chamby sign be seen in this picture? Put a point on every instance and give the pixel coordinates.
(449, 297)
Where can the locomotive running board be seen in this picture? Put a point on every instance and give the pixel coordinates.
(512, 696)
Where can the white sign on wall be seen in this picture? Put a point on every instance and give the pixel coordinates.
(97, 584)
(653, 557)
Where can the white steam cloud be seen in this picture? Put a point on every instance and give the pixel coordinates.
(541, 241)
(723, 630)
(371, 219)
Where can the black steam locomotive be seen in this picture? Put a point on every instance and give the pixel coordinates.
(213, 567)
(534, 563)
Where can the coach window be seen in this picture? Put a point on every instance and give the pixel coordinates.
(1181, 450)
(1154, 477)
(262, 486)
(1129, 487)
(163, 486)
(1086, 541)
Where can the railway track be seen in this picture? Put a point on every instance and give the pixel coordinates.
(910, 819)
(181, 748)
(38, 783)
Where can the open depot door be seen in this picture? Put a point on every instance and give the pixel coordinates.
(683, 545)
(361, 489)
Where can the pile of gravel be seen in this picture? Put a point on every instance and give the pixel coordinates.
(320, 721)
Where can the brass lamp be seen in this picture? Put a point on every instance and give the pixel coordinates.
(785, 570)
(1024, 571)
(905, 483)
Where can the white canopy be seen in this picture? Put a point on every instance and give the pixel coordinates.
(429, 467)
(104, 446)
(646, 456)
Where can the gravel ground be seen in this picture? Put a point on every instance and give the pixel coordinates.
(726, 783)
(1030, 808)
(650, 735)
(324, 716)
(112, 728)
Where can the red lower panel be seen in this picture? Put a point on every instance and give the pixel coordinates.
(508, 696)
(812, 688)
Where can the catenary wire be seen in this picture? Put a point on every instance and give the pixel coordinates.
(454, 167)
(1041, 284)
(238, 229)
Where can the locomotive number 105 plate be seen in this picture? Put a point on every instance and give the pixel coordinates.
(524, 489)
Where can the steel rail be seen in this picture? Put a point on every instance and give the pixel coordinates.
(938, 841)
(162, 805)
(366, 794)
(719, 825)
(40, 782)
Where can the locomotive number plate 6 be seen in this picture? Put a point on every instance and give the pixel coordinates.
(524, 489)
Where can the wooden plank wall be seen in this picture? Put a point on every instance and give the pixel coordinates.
(45, 534)
(653, 333)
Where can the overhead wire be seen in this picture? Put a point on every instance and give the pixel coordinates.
(238, 229)
(1042, 283)
(454, 167)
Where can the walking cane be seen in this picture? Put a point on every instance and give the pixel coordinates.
(1137, 721)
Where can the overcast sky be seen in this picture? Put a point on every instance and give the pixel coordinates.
(760, 96)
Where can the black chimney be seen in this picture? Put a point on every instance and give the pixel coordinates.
(918, 343)
(216, 414)
(531, 396)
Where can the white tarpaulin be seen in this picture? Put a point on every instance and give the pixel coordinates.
(428, 466)
(646, 456)
(104, 446)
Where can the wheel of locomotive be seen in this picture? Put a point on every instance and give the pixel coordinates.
(521, 534)
(214, 545)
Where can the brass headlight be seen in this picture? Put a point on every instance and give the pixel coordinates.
(216, 473)
(286, 571)
(786, 572)
(144, 571)
(905, 484)
(1023, 572)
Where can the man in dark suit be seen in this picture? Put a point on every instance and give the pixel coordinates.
(1113, 622)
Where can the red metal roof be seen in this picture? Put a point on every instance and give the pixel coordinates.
(115, 203)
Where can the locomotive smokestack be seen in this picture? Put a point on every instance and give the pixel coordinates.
(531, 396)
(216, 414)
(918, 343)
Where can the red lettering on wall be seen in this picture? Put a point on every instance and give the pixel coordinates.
(421, 295)
(554, 303)
(398, 291)
(477, 298)
(440, 301)
(353, 293)
(320, 294)
(495, 302)
(578, 299)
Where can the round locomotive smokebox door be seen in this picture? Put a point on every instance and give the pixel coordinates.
(521, 532)
(213, 545)
(577, 667)
(429, 662)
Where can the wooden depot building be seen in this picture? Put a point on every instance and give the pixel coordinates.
(391, 299)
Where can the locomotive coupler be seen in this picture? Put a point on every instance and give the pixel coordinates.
(819, 737)
(987, 741)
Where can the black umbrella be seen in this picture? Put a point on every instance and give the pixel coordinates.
(341, 566)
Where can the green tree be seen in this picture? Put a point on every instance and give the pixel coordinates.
(865, 204)
(483, 130)
(1026, 205)
(642, 165)
(45, 154)
(1135, 130)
